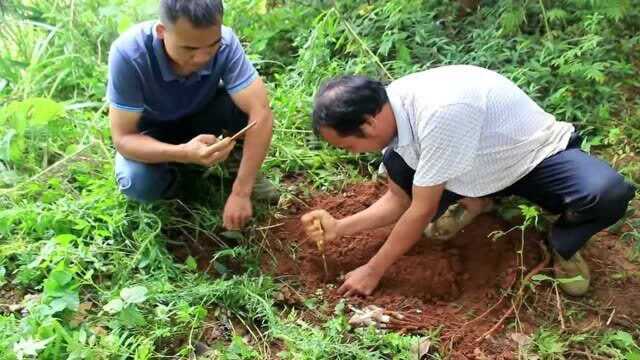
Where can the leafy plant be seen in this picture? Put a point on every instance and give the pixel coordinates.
(27, 122)
(100, 280)
(548, 344)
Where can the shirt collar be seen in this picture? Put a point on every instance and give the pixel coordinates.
(404, 135)
(168, 74)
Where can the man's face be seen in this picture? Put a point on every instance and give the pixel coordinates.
(351, 143)
(188, 47)
(376, 133)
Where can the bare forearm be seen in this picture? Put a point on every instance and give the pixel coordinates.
(383, 212)
(407, 231)
(255, 149)
(146, 149)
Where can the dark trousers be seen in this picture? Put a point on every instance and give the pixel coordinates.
(219, 116)
(587, 193)
(147, 182)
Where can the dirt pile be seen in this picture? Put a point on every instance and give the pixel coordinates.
(446, 284)
(458, 287)
(469, 267)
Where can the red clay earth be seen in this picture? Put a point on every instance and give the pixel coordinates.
(446, 286)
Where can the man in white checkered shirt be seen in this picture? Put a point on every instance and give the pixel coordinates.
(460, 135)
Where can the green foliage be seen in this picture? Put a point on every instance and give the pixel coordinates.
(549, 344)
(102, 281)
(34, 121)
(60, 290)
(239, 350)
(620, 344)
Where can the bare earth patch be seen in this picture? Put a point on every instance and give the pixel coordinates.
(458, 286)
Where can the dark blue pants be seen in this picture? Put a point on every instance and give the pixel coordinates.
(148, 182)
(587, 193)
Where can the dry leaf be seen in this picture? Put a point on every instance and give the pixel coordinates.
(422, 349)
(99, 331)
(288, 296)
(80, 315)
(521, 339)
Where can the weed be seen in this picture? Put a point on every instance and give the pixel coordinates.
(99, 280)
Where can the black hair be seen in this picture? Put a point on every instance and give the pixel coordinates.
(343, 102)
(200, 13)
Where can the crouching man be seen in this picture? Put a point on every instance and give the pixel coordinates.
(462, 134)
(174, 86)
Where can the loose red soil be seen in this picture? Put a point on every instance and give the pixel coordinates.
(447, 285)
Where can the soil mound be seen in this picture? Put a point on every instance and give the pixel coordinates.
(445, 284)
(458, 287)
(471, 266)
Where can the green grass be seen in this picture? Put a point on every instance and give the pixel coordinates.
(106, 285)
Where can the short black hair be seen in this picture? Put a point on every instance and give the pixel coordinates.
(200, 13)
(343, 102)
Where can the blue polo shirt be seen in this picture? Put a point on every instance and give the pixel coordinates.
(141, 78)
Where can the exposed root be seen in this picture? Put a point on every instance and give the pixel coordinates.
(520, 294)
(384, 319)
(489, 310)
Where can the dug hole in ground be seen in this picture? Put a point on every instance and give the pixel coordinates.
(470, 288)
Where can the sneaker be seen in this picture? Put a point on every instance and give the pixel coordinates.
(452, 221)
(567, 269)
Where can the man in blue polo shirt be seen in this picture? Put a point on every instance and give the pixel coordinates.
(174, 86)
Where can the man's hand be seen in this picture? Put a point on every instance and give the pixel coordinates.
(207, 150)
(361, 281)
(237, 211)
(328, 231)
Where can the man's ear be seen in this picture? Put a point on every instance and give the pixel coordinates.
(161, 30)
(369, 125)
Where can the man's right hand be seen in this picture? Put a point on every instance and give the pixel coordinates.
(328, 231)
(207, 150)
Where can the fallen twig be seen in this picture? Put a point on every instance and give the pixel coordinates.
(269, 226)
(620, 320)
(588, 355)
(611, 316)
(559, 306)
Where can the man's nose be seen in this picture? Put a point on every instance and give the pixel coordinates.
(201, 56)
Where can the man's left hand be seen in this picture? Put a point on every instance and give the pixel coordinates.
(237, 211)
(361, 281)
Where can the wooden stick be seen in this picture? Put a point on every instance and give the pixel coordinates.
(559, 306)
(318, 224)
(239, 133)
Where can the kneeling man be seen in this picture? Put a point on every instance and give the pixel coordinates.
(462, 134)
(174, 86)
